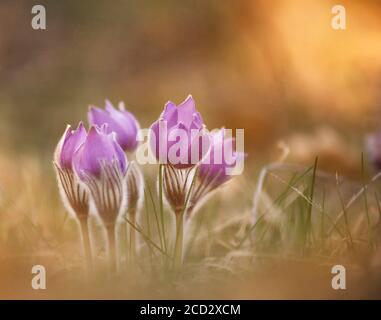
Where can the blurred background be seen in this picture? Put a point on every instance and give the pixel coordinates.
(275, 68)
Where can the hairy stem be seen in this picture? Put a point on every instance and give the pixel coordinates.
(110, 229)
(85, 236)
(132, 237)
(178, 254)
(162, 205)
(123, 232)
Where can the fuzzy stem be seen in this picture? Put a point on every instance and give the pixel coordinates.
(123, 232)
(85, 236)
(132, 237)
(110, 229)
(161, 203)
(178, 255)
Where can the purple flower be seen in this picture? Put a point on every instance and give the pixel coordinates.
(216, 168)
(122, 122)
(373, 147)
(179, 136)
(100, 149)
(74, 194)
(68, 145)
(101, 164)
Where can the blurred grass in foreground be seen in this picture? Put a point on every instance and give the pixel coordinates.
(306, 221)
(275, 69)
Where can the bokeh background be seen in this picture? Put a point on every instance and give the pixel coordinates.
(274, 68)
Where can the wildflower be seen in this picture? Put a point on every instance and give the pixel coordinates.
(179, 136)
(122, 122)
(181, 128)
(74, 195)
(126, 127)
(179, 141)
(215, 169)
(102, 165)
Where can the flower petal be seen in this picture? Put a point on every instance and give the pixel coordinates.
(97, 149)
(185, 110)
(72, 139)
(122, 122)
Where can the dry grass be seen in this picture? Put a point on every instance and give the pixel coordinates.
(283, 255)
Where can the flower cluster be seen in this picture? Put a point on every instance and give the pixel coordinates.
(92, 168)
(94, 172)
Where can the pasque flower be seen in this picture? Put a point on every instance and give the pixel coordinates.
(74, 195)
(135, 191)
(179, 136)
(120, 121)
(102, 165)
(68, 145)
(216, 168)
(179, 140)
(126, 127)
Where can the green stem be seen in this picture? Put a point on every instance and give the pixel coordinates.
(162, 205)
(85, 236)
(132, 238)
(123, 232)
(110, 229)
(179, 213)
(178, 255)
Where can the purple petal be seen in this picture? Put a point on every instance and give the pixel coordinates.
(170, 114)
(120, 156)
(179, 141)
(122, 122)
(199, 146)
(197, 121)
(182, 120)
(159, 140)
(97, 149)
(214, 167)
(97, 116)
(71, 142)
(185, 110)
